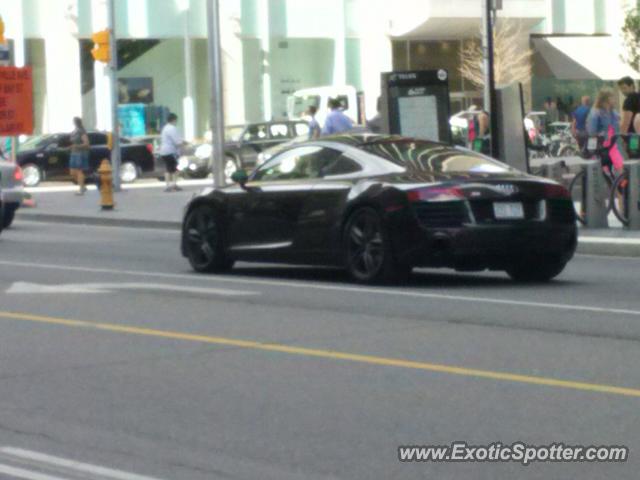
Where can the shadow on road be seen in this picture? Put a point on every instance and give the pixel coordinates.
(420, 278)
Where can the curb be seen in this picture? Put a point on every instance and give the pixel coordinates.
(587, 245)
(99, 221)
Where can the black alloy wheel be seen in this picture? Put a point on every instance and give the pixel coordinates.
(536, 270)
(368, 254)
(203, 241)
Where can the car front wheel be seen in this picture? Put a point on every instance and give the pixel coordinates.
(9, 215)
(32, 175)
(203, 241)
(128, 172)
(369, 256)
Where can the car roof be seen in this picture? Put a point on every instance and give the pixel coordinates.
(364, 139)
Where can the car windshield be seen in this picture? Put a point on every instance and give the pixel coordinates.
(36, 142)
(301, 104)
(233, 134)
(434, 157)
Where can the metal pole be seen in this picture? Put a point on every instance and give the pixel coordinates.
(113, 80)
(216, 117)
(485, 54)
(188, 105)
(490, 81)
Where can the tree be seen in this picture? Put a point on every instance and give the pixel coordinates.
(631, 36)
(512, 63)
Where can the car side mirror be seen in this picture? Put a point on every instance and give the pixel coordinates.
(240, 177)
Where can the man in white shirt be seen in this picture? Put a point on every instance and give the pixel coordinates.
(170, 144)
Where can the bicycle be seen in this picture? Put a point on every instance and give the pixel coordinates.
(618, 198)
(595, 148)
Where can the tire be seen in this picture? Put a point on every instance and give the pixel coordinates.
(9, 215)
(569, 151)
(32, 174)
(203, 242)
(129, 172)
(368, 253)
(230, 166)
(618, 200)
(536, 270)
(577, 191)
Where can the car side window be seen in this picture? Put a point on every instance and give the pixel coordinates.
(279, 131)
(255, 133)
(296, 164)
(341, 165)
(301, 129)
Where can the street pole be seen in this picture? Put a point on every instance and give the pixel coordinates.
(113, 80)
(216, 116)
(188, 105)
(490, 100)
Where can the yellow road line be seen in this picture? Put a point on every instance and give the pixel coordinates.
(327, 354)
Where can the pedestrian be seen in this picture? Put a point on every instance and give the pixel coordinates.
(314, 126)
(629, 121)
(603, 121)
(579, 121)
(375, 123)
(79, 158)
(603, 116)
(336, 121)
(170, 144)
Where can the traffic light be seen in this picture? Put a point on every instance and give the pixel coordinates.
(2, 39)
(101, 51)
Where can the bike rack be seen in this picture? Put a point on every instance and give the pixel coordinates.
(633, 194)
(595, 195)
(554, 170)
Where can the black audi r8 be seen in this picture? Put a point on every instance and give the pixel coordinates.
(380, 205)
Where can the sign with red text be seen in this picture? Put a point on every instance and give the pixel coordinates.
(16, 101)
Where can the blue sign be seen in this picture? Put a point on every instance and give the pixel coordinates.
(132, 119)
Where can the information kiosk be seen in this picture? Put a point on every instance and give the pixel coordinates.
(416, 104)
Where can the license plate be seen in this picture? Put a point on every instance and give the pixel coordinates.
(508, 210)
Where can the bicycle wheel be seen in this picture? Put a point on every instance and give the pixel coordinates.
(578, 195)
(577, 191)
(618, 200)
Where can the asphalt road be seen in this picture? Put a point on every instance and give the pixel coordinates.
(115, 355)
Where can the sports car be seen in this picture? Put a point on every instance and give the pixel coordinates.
(380, 205)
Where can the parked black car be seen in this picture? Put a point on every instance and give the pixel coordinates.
(47, 157)
(243, 145)
(380, 205)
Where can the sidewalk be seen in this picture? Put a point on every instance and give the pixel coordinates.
(149, 206)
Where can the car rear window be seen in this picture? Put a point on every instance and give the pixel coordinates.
(433, 157)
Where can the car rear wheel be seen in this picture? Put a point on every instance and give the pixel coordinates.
(203, 241)
(536, 270)
(129, 172)
(369, 257)
(32, 175)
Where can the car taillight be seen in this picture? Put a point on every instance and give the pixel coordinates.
(556, 191)
(435, 194)
(150, 148)
(18, 175)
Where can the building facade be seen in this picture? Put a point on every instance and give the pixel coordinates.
(272, 48)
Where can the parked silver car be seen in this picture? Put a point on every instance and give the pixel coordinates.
(11, 191)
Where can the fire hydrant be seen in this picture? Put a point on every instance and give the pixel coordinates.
(106, 185)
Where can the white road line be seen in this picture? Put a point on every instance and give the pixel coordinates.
(26, 474)
(72, 465)
(75, 288)
(337, 288)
